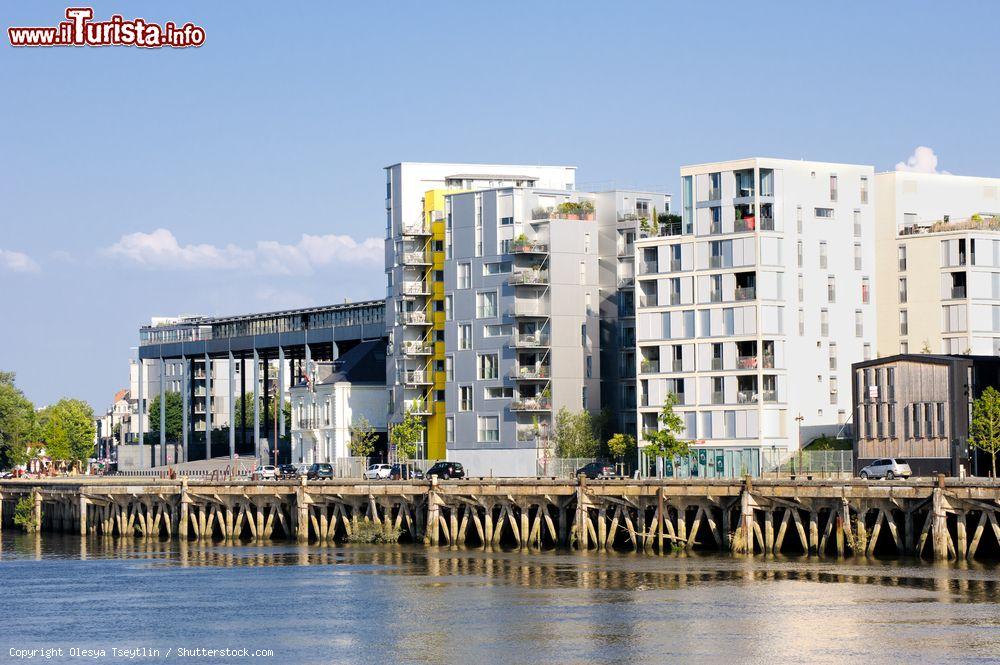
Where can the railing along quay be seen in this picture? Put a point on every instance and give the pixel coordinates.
(942, 518)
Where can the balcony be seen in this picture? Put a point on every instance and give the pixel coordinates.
(649, 366)
(746, 362)
(746, 396)
(626, 249)
(677, 365)
(745, 224)
(416, 229)
(768, 361)
(626, 282)
(718, 397)
(417, 407)
(649, 300)
(527, 433)
(766, 223)
(417, 377)
(416, 259)
(533, 340)
(421, 347)
(675, 265)
(530, 309)
(416, 289)
(958, 292)
(415, 318)
(769, 396)
(570, 210)
(528, 247)
(648, 267)
(537, 372)
(529, 278)
(632, 216)
(717, 364)
(531, 404)
(746, 293)
(310, 423)
(715, 296)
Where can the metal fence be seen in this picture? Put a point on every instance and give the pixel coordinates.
(562, 467)
(821, 463)
(354, 467)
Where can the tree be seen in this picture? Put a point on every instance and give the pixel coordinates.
(405, 435)
(174, 415)
(68, 430)
(363, 438)
(575, 435)
(18, 422)
(621, 445)
(984, 430)
(664, 442)
(248, 399)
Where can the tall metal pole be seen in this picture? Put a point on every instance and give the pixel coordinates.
(208, 407)
(232, 410)
(256, 404)
(163, 414)
(142, 410)
(186, 404)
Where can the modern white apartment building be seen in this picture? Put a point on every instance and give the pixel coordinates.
(752, 310)
(938, 263)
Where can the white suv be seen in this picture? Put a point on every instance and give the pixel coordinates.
(265, 472)
(378, 472)
(888, 468)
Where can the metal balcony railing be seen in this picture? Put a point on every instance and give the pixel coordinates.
(416, 229)
(648, 267)
(529, 278)
(746, 293)
(531, 404)
(416, 289)
(530, 309)
(417, 347)
(416, 258)
(528, 247)
(530, 340)
(418, 317)
(746, 362)
(746, 396)
(530, 372)
(416, 377)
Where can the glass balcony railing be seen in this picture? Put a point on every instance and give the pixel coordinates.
(417, 347)
(746, 293)
(414, 318)
(529, 278)
(416, 288)
(649, 366)
(528, 247)
(531, 404)
(530, 372)
(530, 309)
(531, 340)
(958, 292)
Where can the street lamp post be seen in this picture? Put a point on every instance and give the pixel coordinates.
(798, 433)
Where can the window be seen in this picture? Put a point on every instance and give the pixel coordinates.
(586, 243)
(864, 189)
(859, 323)
(489, 428)
(857, 223)
(449, 429)
(833, 390)
(465, 398)
(486, 304)
(499, 392)
(798, 219)
(464, 275)
(802, 321)
(583, 272)
(904, 346)
(831, 288)
(940, 419)
(590, 366)
(824, 213)
(901, 255)
(833, 355)
(865, 290)
(833, 187)
(506, 221)
(496, 267)
(822, 254)
(498, 330)
(798, 252)
(449, 368)
(857, 256)
(488, 366)
(903, 322)
(447, 308)
(824, 322)
(464, 336)
(902, 290)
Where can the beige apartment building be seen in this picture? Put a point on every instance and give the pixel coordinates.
(938, 265)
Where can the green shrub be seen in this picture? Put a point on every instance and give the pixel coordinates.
(24, 514)
(368, 533)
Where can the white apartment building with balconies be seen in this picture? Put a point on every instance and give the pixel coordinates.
(752, 310)
(938, 263)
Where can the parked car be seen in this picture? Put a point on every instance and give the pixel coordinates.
(405, 472)
(595, 470)
(446, 470)
(320, 471)
(288, 471)
(302, 469)
(378, 472)
(265, 472)
(887, 468)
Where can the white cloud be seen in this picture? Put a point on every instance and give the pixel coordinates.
(17, 262)
(923, 160)
(161, 250)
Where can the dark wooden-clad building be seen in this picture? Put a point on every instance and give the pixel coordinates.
(917, 407)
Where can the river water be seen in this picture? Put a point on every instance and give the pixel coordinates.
(380, 604)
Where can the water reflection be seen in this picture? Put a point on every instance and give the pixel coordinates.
(372, 604)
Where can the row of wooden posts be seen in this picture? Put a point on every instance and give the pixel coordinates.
(774, 518)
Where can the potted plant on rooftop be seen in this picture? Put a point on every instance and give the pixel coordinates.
(586, 209)
(568, 210)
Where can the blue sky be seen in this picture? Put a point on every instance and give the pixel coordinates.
(246, 175)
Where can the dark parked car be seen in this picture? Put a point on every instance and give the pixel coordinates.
(596, 470)
(320, 472)
(287, 471)
(405, 472)
(446, 470)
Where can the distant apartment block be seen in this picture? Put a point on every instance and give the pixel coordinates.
(752, 309)
(938, 264)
